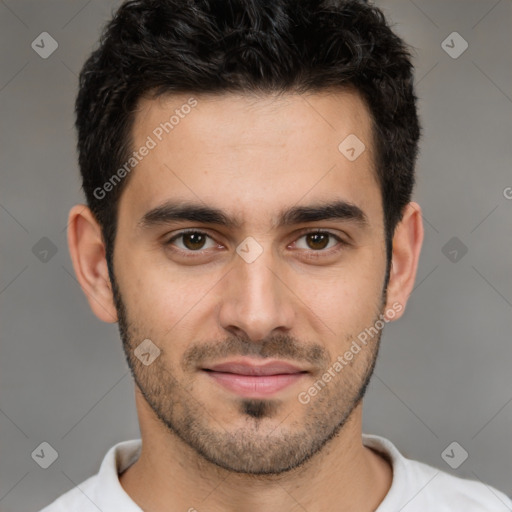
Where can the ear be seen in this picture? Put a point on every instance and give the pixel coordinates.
(88, 256)
(407, 242)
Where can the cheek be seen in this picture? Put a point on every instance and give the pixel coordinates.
(345, 298)
(163, 300)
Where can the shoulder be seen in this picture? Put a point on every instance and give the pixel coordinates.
(102, 491)
(419, 487)
(445, 492)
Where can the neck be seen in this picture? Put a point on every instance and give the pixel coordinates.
(169, 475)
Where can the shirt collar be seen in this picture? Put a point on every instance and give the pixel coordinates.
(110, 495)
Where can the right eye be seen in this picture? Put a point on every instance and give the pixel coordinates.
(191, 240)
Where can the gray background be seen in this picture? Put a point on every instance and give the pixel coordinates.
(444, 369)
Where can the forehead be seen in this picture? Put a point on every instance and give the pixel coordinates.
(237, 152)
(244, 120)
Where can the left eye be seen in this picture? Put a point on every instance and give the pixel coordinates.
(319, 240)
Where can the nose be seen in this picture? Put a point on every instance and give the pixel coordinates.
(255, 300)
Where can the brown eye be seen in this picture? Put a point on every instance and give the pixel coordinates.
(193, 241)
(190, 241)
(317, 241)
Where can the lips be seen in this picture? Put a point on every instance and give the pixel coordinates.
(246, 368)
(252, 380)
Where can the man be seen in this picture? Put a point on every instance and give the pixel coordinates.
(248, 168)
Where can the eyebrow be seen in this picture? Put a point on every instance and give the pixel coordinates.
(172, 211)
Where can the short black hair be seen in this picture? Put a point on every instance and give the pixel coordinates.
(156, 47)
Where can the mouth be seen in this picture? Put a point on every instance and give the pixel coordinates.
(251, 379)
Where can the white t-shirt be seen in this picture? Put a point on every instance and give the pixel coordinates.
(416, 487)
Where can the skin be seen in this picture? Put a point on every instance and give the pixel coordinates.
(205, 447)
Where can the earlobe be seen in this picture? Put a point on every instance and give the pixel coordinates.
(87, 251)
(407, 241)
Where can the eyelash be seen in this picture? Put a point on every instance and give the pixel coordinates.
(311, 254)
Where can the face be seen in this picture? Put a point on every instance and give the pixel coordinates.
(228, 260)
